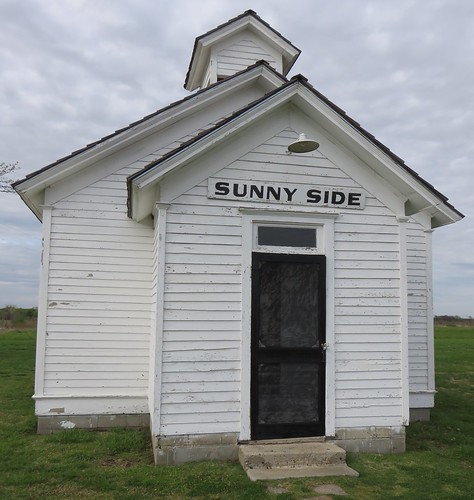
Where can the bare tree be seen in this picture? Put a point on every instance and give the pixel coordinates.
(5, 180)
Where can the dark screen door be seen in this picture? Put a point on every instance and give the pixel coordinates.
(288, 333)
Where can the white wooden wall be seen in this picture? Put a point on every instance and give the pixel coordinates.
(420, 319)
(240, 56)
(201, 368)
(367, 288)
(201, 379)
(99, 294)
(101, 290)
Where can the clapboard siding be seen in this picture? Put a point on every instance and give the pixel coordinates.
(99, 294)
(202, 319)
(203, 299)
(417, 307)
(371, 341)
(358, 386)
(240, 56)
(102, 286)
(202, 312)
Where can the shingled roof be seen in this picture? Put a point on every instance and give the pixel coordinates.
(146, 118)
(300, 79)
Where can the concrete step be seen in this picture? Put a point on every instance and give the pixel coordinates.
(269, 456)
(293, 459)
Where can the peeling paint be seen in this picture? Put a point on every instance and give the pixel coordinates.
(67, 424)
(56, 410)
(53, 304)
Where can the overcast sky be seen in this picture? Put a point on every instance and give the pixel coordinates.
(72, 71)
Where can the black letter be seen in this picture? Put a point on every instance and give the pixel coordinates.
(313, 195)
(256, 190)
(236, 191)
(222, 188)
(275, 192)
(354, 199)
(290, 193)
(335, 200)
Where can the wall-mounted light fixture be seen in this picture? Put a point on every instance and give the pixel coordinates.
(303, 145)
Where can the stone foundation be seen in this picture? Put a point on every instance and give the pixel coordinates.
(172, 450)
(371, 440)
(48, 424)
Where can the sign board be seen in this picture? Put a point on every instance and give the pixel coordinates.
(315, 196)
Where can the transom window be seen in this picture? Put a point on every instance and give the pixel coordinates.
(286, 236)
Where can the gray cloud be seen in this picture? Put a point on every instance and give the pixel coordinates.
(74, 71)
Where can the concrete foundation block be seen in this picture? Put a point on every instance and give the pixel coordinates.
(371, 440)
(173, 450)
(48, 424)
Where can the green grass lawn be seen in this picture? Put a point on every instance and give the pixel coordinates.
(119, 464)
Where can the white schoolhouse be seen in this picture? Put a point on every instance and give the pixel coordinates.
(211, 273)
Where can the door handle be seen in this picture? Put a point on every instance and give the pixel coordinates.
(323, 348)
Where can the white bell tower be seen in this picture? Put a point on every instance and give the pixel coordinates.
(236, 45)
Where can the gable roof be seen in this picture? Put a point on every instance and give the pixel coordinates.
(247, 19)
(420, 194)
(30, 187)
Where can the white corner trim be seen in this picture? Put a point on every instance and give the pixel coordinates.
(156, 373)
(245, 344)
(405, 374)
(429, 311)
(41, 330)
(328, 231)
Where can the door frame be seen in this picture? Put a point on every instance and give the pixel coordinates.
(283, 431)
(251, 218)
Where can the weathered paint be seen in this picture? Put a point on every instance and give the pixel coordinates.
(150, 314)
(192, 274)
